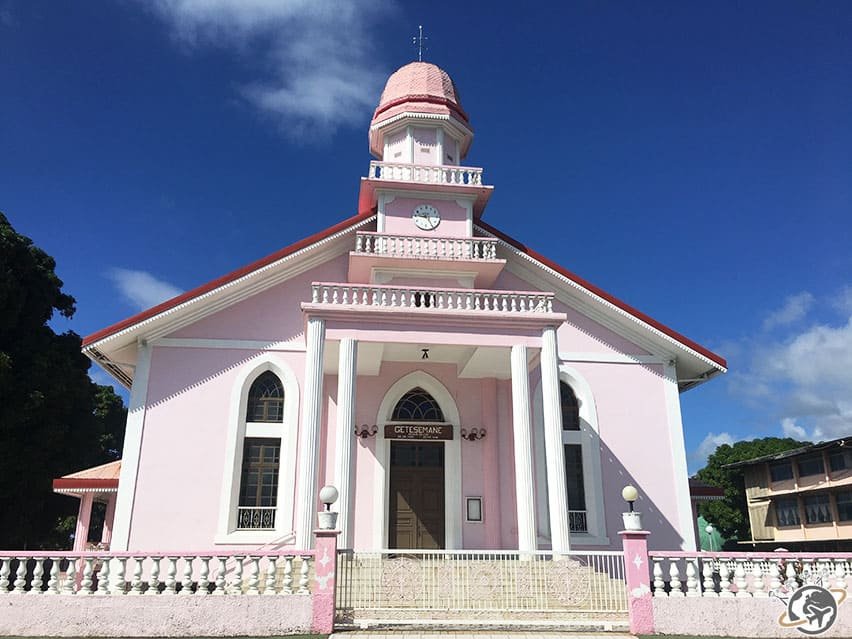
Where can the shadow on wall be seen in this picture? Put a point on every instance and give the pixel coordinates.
(188, 373)
(664, 536)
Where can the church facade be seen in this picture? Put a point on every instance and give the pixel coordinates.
(460, 390)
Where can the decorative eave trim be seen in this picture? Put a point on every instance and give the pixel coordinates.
(85, 485)
(234, 279)
(76, 491)
(605, 299)
(463, 127)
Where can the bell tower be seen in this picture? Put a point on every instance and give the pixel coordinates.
(419, 136)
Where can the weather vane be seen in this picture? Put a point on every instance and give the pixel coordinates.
(418, 42)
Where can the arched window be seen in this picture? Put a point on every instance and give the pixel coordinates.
(570, 408)
(266, 399)
(419, 406)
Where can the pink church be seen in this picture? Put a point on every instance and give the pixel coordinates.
(460, 390)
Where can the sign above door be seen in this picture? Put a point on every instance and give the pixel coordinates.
(419, 431)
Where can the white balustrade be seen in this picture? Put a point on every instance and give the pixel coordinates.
(745, 575)
(38, 573)
(425, 247)
(103, 573)
(426, 174)
(693, 588)
(423, 298)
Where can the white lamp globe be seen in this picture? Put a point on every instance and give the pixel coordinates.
(629, 493)
(328, 495)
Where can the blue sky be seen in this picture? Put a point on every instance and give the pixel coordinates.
(692, 158)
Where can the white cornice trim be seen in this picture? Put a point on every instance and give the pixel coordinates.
(242, 287)
(416, 115)
(601, 301)
(74, 491)
(233, 344)
(612, 358)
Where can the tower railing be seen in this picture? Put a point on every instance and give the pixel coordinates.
(425, 247)
(426, 174)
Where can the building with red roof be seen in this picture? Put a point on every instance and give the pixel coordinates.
(459, 389)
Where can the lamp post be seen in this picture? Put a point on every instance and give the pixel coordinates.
(632, 520)
(327, 519)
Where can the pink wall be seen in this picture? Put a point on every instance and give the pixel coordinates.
(579, 334)
(398, 218)
(395, 150)
(180, 477)
(272, 315)
(182, 462)
(635, 449)
(425, 146)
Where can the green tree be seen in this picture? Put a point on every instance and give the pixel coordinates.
(730, 514)
(53, 418)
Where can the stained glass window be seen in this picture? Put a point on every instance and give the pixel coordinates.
(418, 406)
(266, 399)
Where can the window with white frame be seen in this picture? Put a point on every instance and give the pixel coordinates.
(259, 474)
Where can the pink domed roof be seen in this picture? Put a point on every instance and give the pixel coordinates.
(422, 87)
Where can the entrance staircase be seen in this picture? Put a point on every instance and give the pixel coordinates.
(492, 589)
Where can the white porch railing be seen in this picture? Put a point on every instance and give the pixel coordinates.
(255, 518)
(422, 247)
(425, 174)
(577, 521)
(165, 574)
(484, 581)
(449, 299)
(737, 574)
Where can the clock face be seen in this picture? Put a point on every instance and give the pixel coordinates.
(426, 217)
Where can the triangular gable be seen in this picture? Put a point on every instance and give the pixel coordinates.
(92, 344)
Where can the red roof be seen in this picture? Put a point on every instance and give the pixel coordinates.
(230, 277)
(225, 279)
(104, 476)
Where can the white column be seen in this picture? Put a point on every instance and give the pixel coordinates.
(309, 435)
(554, 455)
(132, 449)
(524, 487)
(346, 372)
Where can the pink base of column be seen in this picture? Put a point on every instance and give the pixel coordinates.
(325, 581)
(640, 604)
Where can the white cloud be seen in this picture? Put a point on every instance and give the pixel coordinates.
(843, 301)
(794, 309)
(140, 288)
(802, 378)
(791, 429)
(316, 62)
(708, 445)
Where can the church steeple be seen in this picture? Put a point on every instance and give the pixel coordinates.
(419, 119)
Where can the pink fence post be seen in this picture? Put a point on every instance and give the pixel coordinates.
(324, 588)
(639, 600)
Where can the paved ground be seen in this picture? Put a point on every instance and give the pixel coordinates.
(469, 634)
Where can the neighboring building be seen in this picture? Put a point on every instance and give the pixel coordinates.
(461, 390)
(801, 499)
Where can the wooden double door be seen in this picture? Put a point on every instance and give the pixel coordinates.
(416, 508)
